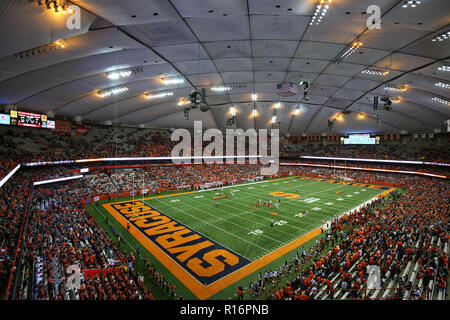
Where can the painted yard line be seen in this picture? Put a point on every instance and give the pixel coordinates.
(240, 238)
(284, 216)
(227, 220)
(288, 217)
(268, 218)
(244, 212)
(291, 236)
(345, 206)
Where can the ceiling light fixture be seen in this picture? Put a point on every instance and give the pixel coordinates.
(444, 68)
(173, 81)
(297, 111)
(254, 96)
(115, 91)
(396, 99)
(220, 89)
(151, 96)
(58, 6)
(183, 102)
(233, 111)
(59, 44)
(411, 3)
(277, 106)
(440, 100)
(321, 11)
(119, 74)
(355, 45)
(375, 72)
(395, 87)
(442, 85)
(274, 119)
(255, 113)
(442, 36)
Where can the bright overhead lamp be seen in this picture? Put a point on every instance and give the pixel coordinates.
(375, 72)
(60, 44)
(152, 96)
(411, 3)
(440, 100)
(350, 49)
(444, 68)
(442, 85)
(340, 117)
(442, 36)
(277, 106)
(118, 74)
(321, 10)
(395, 87)
(274, 119)
(172, 81)
(255, 113)
(396, 99)
(115, 91)
(183, 102)
(254, 96)
(233, 111)
(220, 89)
(297, 111)
(355, 46)
(361, 116)
(56, 45)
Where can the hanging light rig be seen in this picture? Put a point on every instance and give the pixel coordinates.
(56, 6)
(352, 48)
(41, 50)
(321, 11)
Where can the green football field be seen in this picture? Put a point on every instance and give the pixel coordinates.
(233, 223)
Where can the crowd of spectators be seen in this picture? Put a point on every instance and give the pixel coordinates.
(381, 151)
(407, 228)
(19, 145)
(61, 232)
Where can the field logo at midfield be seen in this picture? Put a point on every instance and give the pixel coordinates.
(204, 259)
(285, 195)
(235, 139)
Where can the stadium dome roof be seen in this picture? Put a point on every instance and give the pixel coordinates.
(247, 45)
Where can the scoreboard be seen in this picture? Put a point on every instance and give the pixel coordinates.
(361, 139)
(28, 119)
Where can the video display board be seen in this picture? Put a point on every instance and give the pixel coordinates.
(364, 138)
(29, 119)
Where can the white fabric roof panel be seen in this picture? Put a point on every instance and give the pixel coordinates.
(250, 46)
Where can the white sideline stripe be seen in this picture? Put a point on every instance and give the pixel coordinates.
(9, 175)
